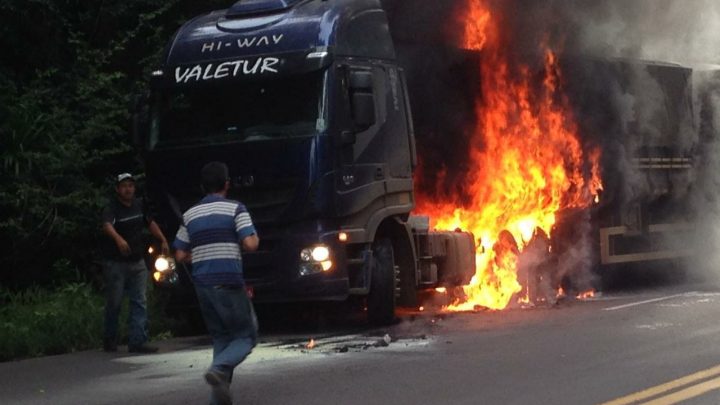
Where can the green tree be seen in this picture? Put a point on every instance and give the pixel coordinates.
(68, 72)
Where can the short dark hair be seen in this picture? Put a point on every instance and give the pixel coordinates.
(214, 175)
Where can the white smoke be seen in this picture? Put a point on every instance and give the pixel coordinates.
(706, 196)
(686, 31)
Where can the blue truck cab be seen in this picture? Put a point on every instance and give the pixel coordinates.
(306, 103)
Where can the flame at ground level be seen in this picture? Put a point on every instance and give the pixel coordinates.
(526, 164)
(586, 295)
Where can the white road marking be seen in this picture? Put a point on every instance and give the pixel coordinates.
(633, 304)
(655, 326)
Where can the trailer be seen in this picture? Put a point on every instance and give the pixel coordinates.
(645, 117)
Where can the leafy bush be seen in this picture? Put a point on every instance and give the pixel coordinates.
(38, 321)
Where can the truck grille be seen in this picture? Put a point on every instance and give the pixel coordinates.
(267, 203)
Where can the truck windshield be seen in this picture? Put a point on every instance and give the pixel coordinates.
(276, 108)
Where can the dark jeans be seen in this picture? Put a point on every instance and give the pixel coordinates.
(231, 321)
(130, 278)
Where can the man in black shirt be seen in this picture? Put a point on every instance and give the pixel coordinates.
(123, 221)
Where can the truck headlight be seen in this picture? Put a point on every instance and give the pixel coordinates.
(314, 260)
(164, 263)
(164, 273)
(320, 253)
(317, 254)
(165, 278)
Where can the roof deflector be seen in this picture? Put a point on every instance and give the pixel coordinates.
(248, 7)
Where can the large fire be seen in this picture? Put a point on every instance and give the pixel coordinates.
(527, 163)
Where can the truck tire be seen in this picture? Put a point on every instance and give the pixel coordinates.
(381, 297)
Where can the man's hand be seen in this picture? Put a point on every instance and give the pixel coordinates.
(182, 256)
(157, 233)
(164, 248)
(122, 246)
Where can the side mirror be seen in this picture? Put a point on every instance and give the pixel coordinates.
(137, 102)
(362, 101)
(138, 125)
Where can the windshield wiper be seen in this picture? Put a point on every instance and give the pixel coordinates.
(261, 132)
(183, 142)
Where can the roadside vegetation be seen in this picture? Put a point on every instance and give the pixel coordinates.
(68, 74)
(39, 321)
(66, 317)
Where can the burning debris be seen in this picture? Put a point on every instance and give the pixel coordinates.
(586, 295)
(357, 343)
(535, 270)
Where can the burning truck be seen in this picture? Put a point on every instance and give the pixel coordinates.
(569, 168)
(390, 148)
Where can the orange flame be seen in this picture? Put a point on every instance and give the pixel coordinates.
(310, 344)
(476, 27)
(530, 166)
(586, 295)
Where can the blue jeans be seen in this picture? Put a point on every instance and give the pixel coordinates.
(130, 278)
(232, 324)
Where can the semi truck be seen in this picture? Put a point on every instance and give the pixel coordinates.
(316, 107)
(307, 104)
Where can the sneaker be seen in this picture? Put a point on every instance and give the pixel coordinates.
(109, 345)
(220, 387)
(142, 348)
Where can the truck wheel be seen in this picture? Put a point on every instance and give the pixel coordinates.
(381, 298)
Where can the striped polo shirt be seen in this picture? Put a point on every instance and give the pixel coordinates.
(212, 231)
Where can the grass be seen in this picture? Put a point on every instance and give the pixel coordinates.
(38, 321)
(43, 321)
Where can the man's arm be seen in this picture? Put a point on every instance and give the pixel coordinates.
(157, 233)
(121, 243)
(245, 230)
(250, 243)
(182, 245)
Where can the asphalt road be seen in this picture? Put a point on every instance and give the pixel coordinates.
(659, 346)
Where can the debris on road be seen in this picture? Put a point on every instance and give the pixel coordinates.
(355, 342)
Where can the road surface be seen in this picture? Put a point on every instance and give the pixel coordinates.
(659, 346)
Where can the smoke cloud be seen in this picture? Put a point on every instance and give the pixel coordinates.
(683, 33)
(641, 78)
(686, 32)
(705, 198)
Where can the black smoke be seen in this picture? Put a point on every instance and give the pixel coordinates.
(641, 81)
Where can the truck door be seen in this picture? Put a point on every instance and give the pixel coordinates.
(360, 162)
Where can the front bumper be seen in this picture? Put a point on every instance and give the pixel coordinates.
(273, 271)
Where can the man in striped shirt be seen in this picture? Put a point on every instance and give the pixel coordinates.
(211, 236)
